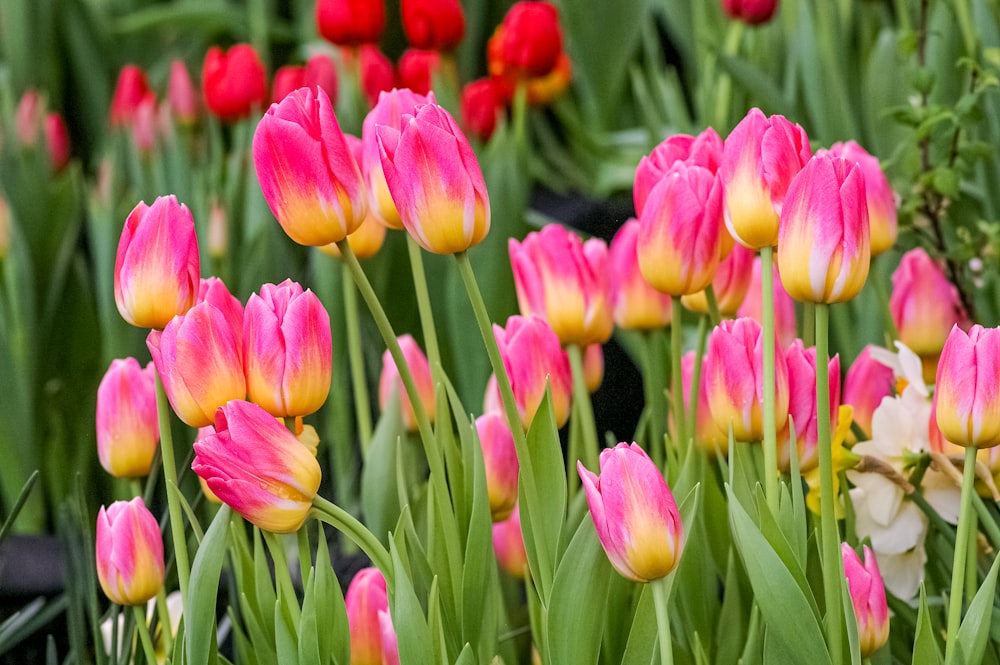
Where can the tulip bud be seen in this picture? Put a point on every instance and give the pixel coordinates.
(130, 89)
(880, 197)
(234, 82)
(185, 104)
(389, 381)
(28, 118)
(321, 72)
(128, 430)
(500, 461)
(508, 545)
(56, 141)
(306, 170)
(129, 552)
(593, 367)
(417, 68)
(634, 513)
(751, 12)
(867, 383)
(635, 303)
(144, 125)
(378, 74)
(438, 25)
(967, 393)
(482, 101)
(258, 468)
(801, 363)
(366, 597)
(864, 583)
(784, 306)
(350, 22)
(157, 265)
(287, 80)
(530, 38)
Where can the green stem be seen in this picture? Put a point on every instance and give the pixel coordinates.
(965, 520)
(676, 351)
(584, 409)
(350, 526)
(710, 299)
(724, 82)
(142, 628)
(660, 590)
(699, 356)
(166, 628)
(356, 361)
(767, 332)
(655, 388)
(887, 323)
(833, 565)
(170, 479)
(424, 308)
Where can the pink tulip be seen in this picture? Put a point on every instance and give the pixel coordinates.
(593, 367)
(182, 95)
(760, 157)
(56, 141)
(801, 363)
(533, 359)
(967, 393)
(823, 245)
(129, 552)
(751, 12)
(881, 199)
(258, 468)
(435, 180)
(390, 381)
(733, 370)
(867, 383)
(130, 88)
(28, 117)
(924, 305)
(564, 280)
(128, 431)
(864, 583)
(144, 125)
(730, 284)
(680, 231)
(368, 238)
(784, 306)
(157, 265)
(215, 292)
(366, 597)
(288, 350)
(508, 545)
(634, 512)
(704, 150)
(635, 304)
(388, 111)
(390, 644)
(706, 432)
(306, 170)
(500, 461)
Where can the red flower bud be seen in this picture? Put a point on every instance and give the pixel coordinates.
(350, 22)
(234, 82)
(433, 24)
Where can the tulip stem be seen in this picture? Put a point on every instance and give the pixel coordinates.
(965, 522)
(660, 592)
(329, 512)
(170, 480)
(767, 332)
(676, 352)
(655, 388)
(166, 627)
(356, 360)
(693, 390)
(424, 308)
(142, 628)
(584, 409)
(833, 564)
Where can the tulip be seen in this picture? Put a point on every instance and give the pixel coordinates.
(564, 280)
(704, 150)
(730, 284)
(823, 245)
(350, 22)
(390, 644)
(200, 362)
(234, 82)
(434, 178)
(287, 80)
(530, 39)
(321, 72)
(288, 350)
(366, 597)
(481, 102)
(706, 432)
(542, 90)
(680, 231)
(368, 238)
(924, 305)
(880, 197)
(128, 431)
(500, 462)
(733, 370)
(867, 383)
(760, 157)
(185, 105)
(387, 111)
(751, 12)
(129, 552)
(157, 265)
(438, 25)
(214, 291)
(864, 583)
(306, 170)
(28, 117)
(144, 125)
(784, 306)
(378, 74)
(130, 89)
(635, 304)
(801, 364)
(417, 69)
(258, 468)
(56, 141)
(390, 381)
(634, 513)
(967, 392)
(508, 545)
(593, 367)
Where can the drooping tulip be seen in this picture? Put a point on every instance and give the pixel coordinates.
(129, 552)
(128, 432)
(967, 392)
(867, 591)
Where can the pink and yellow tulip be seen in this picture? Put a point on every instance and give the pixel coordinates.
(967, 393)
(882, 216)
(368, 238)
(500, 461)
(730, 284)
(704, 150)
(866, 384)
(129, 552)
(867, 591)
(706, 432)
(801, 363)
(128, 432)
(366, 597)
(635, 304)
(390, 381)
(508, 545)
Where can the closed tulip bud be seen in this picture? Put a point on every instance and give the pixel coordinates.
(129, 552)
(56, 141)
(533, 357)
(680, 231)
(867, 383)
(784, 306)
(634, 513)
(500, 461)
(306, 170)
(157, 265)
(867, 591)
(378, 74)
(388, 111)
(417, 68)
(144, 125)
(481, 102)
(801, 363)
(707, 433)
(258, 468)
(530, 39)
(435, 181)
(760, 157)
(508, 545)
(564, 280)
(131, 88)
(366, 597)
(183, 97)
(882, 217)
(234, 82)
(635, 304)
(967, 391)
(390, 381)
(435, 24)
(390, 644)
(128, 431)
(751, 12)
(823, 245)
(704, 150)
(287, 349)
(733, 370)
(350, 22)
(730, 284)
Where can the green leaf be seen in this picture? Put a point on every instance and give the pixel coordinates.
(975, 629)
(308, 630)
(412, 631)
(925, 646)
(331, 613)
(284, 636)
(380, 507)
(641, 647)
(200, 605)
